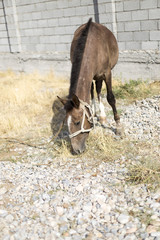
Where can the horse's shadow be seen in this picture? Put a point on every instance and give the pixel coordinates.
(58, 118)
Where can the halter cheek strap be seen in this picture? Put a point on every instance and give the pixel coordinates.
(89, 118)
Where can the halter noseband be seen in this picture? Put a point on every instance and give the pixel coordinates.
(89, 118)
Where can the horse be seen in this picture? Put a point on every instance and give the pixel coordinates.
(94, 52)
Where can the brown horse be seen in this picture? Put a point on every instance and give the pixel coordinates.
(94, 52)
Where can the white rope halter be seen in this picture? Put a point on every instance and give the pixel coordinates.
(89, 118)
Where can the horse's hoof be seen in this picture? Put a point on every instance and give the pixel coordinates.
(119, 131)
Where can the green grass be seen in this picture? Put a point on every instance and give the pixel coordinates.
(135, 90)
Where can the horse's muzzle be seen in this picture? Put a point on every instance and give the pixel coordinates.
(77, 151)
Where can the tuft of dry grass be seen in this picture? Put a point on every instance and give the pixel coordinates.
(146, 171)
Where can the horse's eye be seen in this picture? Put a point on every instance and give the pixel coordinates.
(77, 123)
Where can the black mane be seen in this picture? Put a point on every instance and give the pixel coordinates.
(77, 58)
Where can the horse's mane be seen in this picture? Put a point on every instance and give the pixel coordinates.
(77, 58)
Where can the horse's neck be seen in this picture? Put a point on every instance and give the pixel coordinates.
(85, 78)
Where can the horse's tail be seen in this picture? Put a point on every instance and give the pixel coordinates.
(78, 54)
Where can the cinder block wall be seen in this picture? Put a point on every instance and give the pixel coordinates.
(36, 34)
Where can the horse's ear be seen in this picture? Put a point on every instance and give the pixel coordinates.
(75, 101)
(62, 100)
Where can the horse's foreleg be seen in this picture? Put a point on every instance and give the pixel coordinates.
(102, 116)
(111, 99)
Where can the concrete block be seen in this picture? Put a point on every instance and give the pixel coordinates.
(125, 36)
(81, 11)
(42, 23)
(65, 39)
(149, 25)
(154, 35)
(26, 8)
(131, 5)
(159, 24)
(75, 21)
(62, 4)
(53, 22)
(36, 15)
(102, 9)
(39, 7)
(132, 26)
(148, 4)
(106, 18)
(123, 16)
(141, 36)
(140, 15)
(154, 13)
(4, 48)
(25, 17)
(49, 31)
(149, 45)
(3, 41)
(38, 48)
(86, 3)
(60, 30)
(70, 29)
(119, 6)
(108, 7)
(44, 40)
(69, 12)
(133, 45)
(64, 21)
(51, 5)
(158, 3)
(54, 39)
(51, 48)
(120, 27)
(90, 9)
(61, 47)
(122, 46)
(74, 3)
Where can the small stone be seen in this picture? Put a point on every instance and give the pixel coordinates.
(123, 219)
(155, 234)
(151, 229)
(79, 188)
(3, 190)
(97, 233)
(60, 211)
(9, 218)
(132, 230)
(3, 212)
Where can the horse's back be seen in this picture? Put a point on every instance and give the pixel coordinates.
(103, 43)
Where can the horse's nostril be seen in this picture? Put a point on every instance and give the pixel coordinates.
(78, 151)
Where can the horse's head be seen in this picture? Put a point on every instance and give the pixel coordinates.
(79, 120)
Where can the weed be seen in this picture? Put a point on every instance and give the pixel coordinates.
(134, 90)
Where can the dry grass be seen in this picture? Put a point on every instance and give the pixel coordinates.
(26, 99)
(26, 112)
(146, 170)
(100, 147)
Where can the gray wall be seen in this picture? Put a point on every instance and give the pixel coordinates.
(36, 34)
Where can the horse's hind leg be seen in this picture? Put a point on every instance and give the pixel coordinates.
(93, 99)
(111, 99)
(102, 116)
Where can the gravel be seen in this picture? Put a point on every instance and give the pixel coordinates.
(44, 198)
